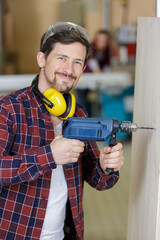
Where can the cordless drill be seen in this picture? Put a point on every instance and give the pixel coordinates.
(95, 129)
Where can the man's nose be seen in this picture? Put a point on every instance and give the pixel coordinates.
(69, 67)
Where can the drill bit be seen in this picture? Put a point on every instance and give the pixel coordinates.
(148, 128)
(127, 126)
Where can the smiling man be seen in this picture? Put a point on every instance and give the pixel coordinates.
(42, 174)
(63, 67)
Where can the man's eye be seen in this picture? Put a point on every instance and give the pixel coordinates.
(79, 63)
(61, 58)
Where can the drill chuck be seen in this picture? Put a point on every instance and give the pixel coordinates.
(127, 127)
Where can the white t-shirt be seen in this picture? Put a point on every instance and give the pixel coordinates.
(56, 208)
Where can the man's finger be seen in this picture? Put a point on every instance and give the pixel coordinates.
(75, 142)
(117, 147)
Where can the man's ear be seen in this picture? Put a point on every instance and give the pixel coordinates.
(41, 59)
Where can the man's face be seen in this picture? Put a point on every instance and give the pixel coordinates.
(63, 66)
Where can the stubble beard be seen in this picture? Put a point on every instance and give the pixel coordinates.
(53, 83)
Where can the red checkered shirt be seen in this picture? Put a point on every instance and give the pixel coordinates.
(26, 161)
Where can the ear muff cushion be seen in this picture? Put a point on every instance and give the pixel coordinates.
(71, 105)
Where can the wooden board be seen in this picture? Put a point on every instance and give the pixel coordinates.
(144, 203)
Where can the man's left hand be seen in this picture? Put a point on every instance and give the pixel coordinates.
(112, 157)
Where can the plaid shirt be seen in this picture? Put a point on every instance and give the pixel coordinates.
(26, 162)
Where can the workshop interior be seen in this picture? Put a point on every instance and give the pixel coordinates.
(107, 91)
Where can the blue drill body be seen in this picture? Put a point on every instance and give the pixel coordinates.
(91, 129)
(96, 129)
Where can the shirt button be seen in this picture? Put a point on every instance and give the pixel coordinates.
(44, 198)
(38, 223)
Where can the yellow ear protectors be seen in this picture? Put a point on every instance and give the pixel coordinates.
(57, 104)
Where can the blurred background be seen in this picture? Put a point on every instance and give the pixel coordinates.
(106, 87)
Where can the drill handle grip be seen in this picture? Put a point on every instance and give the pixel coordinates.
(112, 142)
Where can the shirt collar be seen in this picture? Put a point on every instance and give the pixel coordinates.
(37, 100)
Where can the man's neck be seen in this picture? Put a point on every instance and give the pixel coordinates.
(42, 84)
(55, 120)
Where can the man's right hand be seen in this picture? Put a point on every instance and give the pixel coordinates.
(66, 150)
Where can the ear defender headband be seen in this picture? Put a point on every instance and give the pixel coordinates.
(57, 104)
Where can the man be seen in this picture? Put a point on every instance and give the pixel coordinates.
(41, 191)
